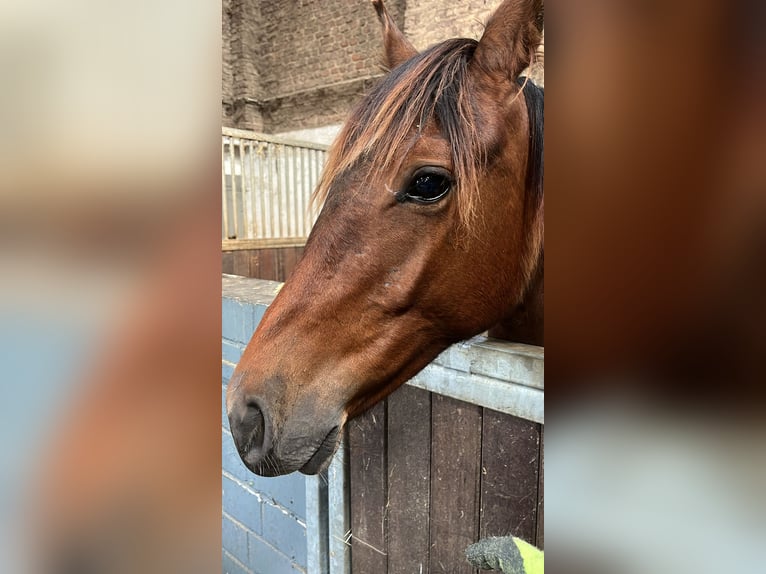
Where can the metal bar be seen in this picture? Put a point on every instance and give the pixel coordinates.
(317, 523)
(290, 178)
(255, 174)
(502, 396)
(267, 227)
(297, 191)
(290, 186)
(339, 528)
(281, 191)
(311, 180)
(305, 193)
(316, 170)
(262, 188)
(246, 216)
(274, 191)
(255, 136)
(224, 202)
(234, 186)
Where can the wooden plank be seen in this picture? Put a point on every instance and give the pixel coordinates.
(227, 262)
(455, 468)
(289, 261)
(242, 263)
(409, 465)
(267, 265)
(541, 493)
(275, 264)
(244, 244)
(368, 486)
(509, 476)
(280, 272)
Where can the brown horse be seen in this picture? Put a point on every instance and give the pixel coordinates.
(431, 232)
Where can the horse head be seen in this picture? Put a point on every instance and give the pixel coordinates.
(430, 233)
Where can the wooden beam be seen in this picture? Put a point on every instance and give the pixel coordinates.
(240, 244)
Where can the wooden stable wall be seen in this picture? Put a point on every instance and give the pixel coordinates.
(430, 475)
(273, 263)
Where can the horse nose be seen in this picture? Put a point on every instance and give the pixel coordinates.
(251, 432)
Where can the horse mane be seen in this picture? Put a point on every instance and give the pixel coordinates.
(534, 96)
(432, 84)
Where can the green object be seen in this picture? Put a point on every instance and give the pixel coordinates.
(507, 554)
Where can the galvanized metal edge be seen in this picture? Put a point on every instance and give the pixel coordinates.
(338, 512)
(317, 534)
(248, 135)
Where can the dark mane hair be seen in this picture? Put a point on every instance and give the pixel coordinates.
(534, 96)
(432, 84)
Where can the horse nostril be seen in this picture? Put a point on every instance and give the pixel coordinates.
(250, 429)
(253, 425)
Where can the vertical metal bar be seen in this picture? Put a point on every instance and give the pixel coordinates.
(290, 181)
(253, 188)
(307, 187)
(303, 194)
(315, 174)
(247, 217)
(286, 189)
(233, 154)
(267, 192)
(296, 191)
(284, 199)
(281, 189)
(338, 511)
(254, 183)
(275, 192)
(262, 189)
(317, 537)
(224, 202)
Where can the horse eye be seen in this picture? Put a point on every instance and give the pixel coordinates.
(427, 187)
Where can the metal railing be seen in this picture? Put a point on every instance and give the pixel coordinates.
(266, 186)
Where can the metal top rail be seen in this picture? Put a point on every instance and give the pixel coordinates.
(250, 135)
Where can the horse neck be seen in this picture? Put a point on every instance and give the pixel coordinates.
(524, 323)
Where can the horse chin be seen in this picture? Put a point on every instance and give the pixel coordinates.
(320, 460)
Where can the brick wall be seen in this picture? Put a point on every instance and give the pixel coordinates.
(264, 519)
(302, 64)
(242, 45)
(428, 22)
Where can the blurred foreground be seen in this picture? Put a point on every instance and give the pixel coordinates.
(110, 299)
(656, 287)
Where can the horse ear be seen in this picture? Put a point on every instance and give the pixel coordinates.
(510, 39)
(397, 48)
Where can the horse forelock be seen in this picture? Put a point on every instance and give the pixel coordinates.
(433, 85)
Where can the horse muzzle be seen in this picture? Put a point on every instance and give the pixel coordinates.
(270, 449)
